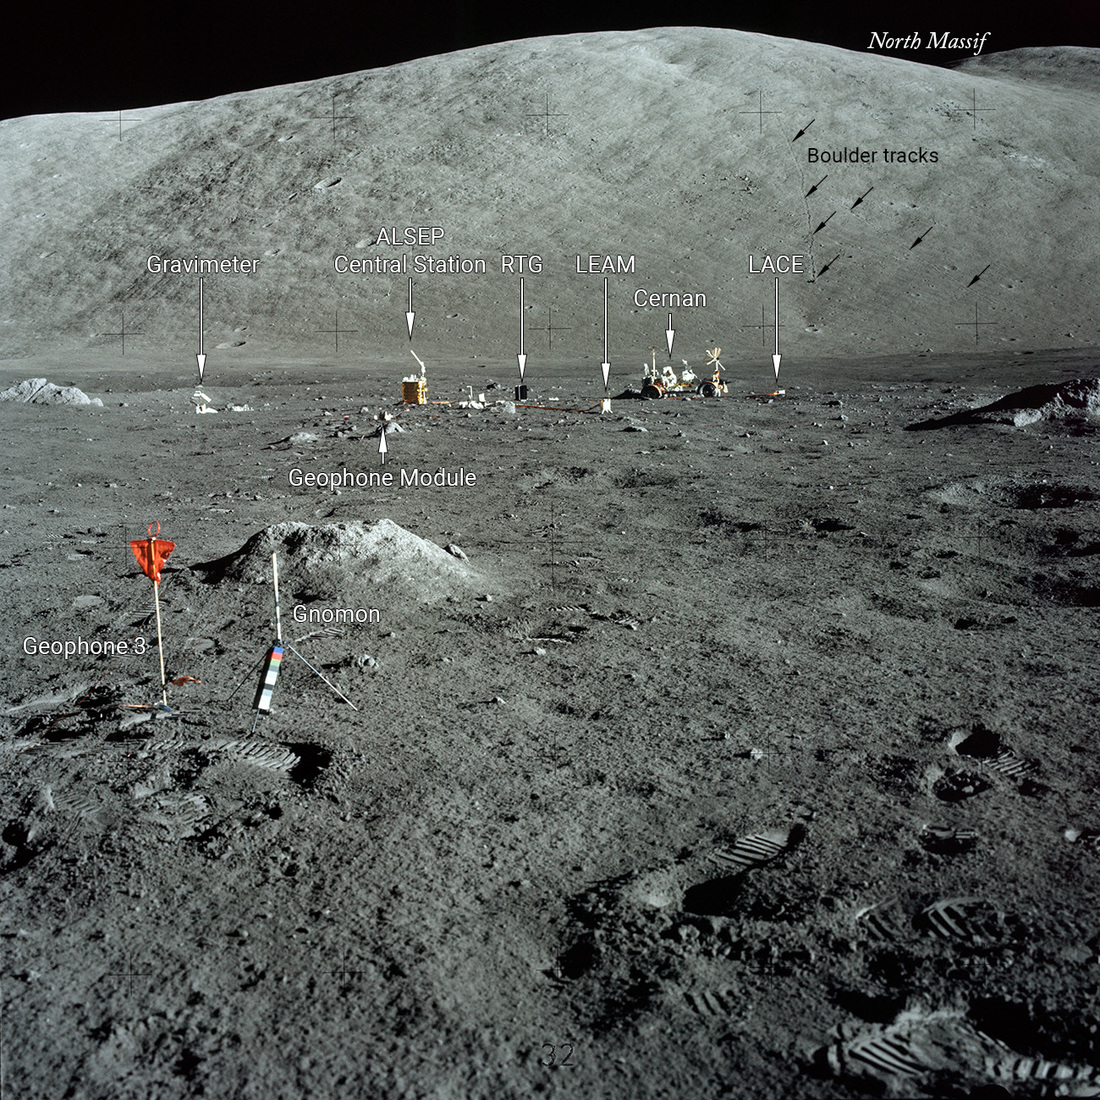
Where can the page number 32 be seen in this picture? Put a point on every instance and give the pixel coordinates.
(555, 1056)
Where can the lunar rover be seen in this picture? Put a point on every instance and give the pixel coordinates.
(656, 383)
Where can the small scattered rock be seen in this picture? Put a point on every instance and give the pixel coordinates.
(295, 440)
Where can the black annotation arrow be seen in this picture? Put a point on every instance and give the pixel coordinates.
(824, 223)
(804, 129)
(922, 236)
(522, 357)
(201, 354)
(861, 198)
(828, 265)
(410, 316)
(978, 276)
(817, 185)
(670, 335)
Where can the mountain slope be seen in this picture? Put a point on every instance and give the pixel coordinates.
(644, 143)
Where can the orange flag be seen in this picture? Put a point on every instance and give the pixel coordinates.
(152, 553)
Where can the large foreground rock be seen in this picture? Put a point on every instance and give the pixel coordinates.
(1078, 399)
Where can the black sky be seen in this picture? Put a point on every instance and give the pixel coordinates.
(119, 55)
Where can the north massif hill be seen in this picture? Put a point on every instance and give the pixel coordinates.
(650, 143)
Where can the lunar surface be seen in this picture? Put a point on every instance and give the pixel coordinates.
(692, 746)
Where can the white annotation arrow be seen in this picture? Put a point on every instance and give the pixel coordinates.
(410, 316)
(670, 335)
(522, 357)
(605, 366)
(200, 356)
(776, 357)
(382, 446)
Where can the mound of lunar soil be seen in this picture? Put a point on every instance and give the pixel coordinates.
(348, 562)
(1077, 399)
(37, 391)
